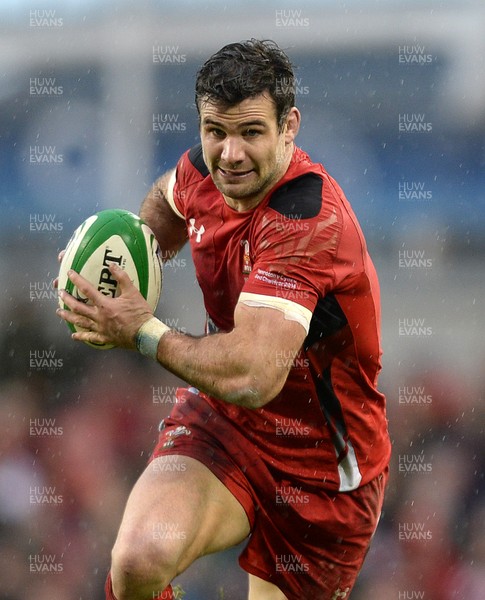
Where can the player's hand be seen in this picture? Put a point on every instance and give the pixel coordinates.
(108, 320)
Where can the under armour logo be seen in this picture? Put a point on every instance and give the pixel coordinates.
(193, 229)
(340, 593)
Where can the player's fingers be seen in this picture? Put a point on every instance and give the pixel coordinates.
(77, 307)
(121, 277)
(87, 290)
(89, 336)
(76, 319)
(60, 256)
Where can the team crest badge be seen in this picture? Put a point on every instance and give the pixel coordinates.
(246, 265)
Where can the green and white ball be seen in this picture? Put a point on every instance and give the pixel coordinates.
(118, 236)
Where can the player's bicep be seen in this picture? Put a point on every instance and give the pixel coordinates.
(272, 341)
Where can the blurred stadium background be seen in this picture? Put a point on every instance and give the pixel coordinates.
(96, 100)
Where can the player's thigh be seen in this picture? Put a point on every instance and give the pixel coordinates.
(180, 509)
(259, 589)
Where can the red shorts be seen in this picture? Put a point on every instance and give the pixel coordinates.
(307, 540)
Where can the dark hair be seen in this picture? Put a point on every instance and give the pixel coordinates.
(246, 69)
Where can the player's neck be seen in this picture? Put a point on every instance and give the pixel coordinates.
(244, 204)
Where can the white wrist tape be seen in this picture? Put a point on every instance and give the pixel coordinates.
(148, 336)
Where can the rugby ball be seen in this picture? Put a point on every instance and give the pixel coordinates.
(118, 236)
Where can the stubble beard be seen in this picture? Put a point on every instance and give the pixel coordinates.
(259, 187)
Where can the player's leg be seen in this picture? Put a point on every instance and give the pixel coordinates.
(259, 589)
(172, 517)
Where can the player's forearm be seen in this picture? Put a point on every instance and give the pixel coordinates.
(221, 366)
(169, 229)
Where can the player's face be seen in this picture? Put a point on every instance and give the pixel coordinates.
(243, 149)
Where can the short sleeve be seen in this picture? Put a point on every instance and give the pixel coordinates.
(190, 171)
(295, 249)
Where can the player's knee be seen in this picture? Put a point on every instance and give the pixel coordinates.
(140, 569)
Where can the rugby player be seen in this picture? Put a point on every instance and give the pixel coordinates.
(282, 432)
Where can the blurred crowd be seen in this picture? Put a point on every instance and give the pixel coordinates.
(78, 426)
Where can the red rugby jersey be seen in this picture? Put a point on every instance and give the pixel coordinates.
(302, 250)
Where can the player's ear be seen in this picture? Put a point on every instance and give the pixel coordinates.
(292, 125)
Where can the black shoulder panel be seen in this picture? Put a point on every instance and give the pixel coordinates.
(300, 198)
(196, 158)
